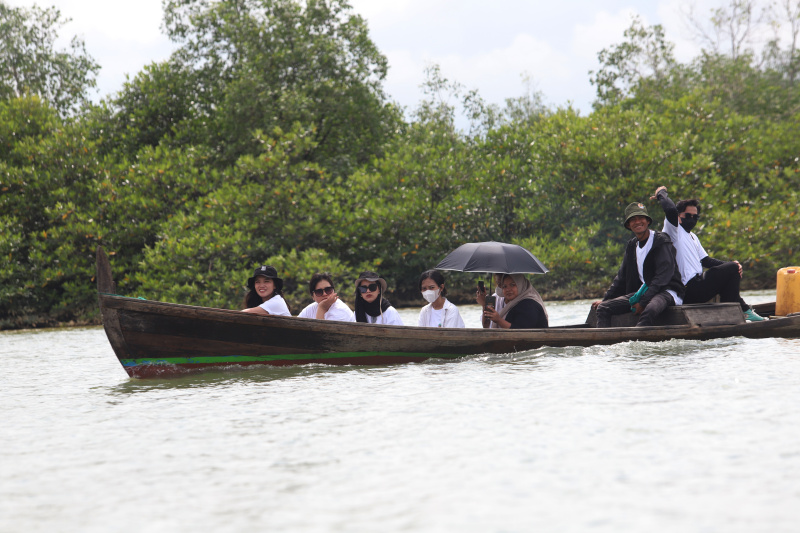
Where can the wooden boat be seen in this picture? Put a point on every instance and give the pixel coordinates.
(152, 338)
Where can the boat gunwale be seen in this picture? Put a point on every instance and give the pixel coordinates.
(115, 301)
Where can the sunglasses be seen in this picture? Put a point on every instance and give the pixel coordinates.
(691, 216)
(372, 287)
(321, 292)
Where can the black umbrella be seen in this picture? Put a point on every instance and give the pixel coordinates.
(497, 257)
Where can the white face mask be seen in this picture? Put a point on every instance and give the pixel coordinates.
(430, 296)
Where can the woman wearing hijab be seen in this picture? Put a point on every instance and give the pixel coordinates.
(265, 296)
(524, 308)
(371, 306)
(439, 313)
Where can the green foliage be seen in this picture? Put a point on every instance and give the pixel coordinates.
(43, 178)
(23, 118)
(643, 62)
(60, 200)
(30, 64)
(156, 107)
(580, 264)
(268, 206)
(762, 234)
(262, 64)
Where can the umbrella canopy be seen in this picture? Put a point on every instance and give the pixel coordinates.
(497, 257)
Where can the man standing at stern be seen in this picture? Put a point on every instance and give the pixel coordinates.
(648, 279)
(721, 277)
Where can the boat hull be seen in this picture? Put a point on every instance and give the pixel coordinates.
(156, 338)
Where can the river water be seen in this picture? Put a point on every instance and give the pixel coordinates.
(682, 436)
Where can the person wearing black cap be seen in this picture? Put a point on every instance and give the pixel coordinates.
(371, 306)
(648, 279)
(265, 296)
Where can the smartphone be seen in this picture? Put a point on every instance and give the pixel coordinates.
(491, 301)
(480, 286)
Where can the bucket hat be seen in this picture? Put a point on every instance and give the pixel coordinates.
(369, 275)
(635, 209)
(268, 272)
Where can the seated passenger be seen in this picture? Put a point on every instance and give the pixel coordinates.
(265, 296)
(480, 297)
(371, 306)
(721, 277)
(327, 305)
(524, 308)
(649, 274)
(439, 313)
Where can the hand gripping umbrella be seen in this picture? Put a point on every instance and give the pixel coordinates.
(496, 257)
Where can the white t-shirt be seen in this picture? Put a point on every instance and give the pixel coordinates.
(446, 317)
(641, 254)
(434, 318)
(689, 252)
(389, 317)
(338, 311)
(276, 306)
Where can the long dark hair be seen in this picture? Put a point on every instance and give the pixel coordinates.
(252, 299)
(436, 276)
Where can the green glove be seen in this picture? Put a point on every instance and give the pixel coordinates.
(638, 296)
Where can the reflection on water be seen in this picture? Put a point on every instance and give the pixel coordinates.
(237, 375)
(666, 436)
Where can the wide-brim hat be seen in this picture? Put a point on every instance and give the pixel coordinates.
(368, 275)
(268, 272)
(635, 209)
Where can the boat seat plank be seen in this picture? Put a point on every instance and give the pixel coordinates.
(682, 315)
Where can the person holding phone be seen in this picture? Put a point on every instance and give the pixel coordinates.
(326, 305)
(439, 313)
(496, 300)
(523, 309)
(371, 306)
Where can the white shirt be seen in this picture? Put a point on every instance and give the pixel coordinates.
(446, 317)
(389, 317)
(276, 306)
(641, 254)
(689, 252)
(338, 311)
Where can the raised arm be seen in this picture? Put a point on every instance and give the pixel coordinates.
(667, 205)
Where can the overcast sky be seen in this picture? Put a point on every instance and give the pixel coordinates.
(485, 45)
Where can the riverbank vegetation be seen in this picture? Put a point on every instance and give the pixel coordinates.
(267, 138)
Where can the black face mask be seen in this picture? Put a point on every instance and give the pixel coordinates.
(688, 223)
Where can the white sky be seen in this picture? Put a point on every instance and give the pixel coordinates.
(483, 44)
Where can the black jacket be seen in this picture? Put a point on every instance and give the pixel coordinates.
(660, 270)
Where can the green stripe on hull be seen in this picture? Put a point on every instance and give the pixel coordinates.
(233, 359)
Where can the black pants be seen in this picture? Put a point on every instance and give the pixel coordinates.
(622, 305)
(723, 280)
